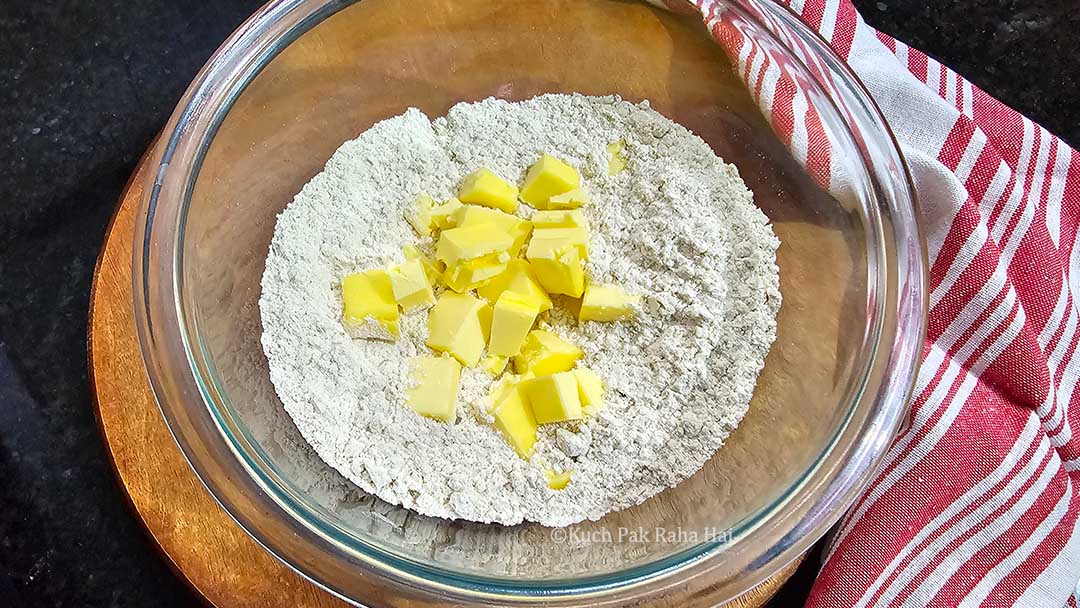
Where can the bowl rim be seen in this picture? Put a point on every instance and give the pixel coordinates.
(175, 371)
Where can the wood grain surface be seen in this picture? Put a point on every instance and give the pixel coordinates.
(207, 548)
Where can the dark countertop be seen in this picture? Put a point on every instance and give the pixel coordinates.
(84, 86)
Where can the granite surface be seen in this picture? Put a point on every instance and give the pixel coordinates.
(84, 86)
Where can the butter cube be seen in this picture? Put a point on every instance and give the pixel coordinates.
(493, 364)
(443, 216)
(590, 390)
(546, 353)
(410, 285)
(554, 398)
(483, 187)
(606, 303)
(514, 418)
(548, 177)
(518, 228)
(559, 271)
(419, 215)
(471, 242)
(518, 278)
(471, 274)
(557, 239)
(456, 325)
(432, 268)
(485, 314)
(560, 218)
(616, 157)
(569, 200)
(513, 317)
(557, 481)
(504, 385)
(435, 387)
(369, 296)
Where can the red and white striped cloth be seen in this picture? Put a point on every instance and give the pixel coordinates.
(975, 503)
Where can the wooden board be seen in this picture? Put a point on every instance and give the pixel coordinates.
(207, 548)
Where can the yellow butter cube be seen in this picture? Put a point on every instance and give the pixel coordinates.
(557, 239)
(560, 218)
(559, 271)
(458, 324)
(606, 303)
(502, 387)
(548, 177)
(493, 364)
(471, 242)
(590, 390)
(444, 216)
(554, 398)
(518, 228)
(616, 157)
(410, 284)
(514, 418)
(484, 314)
(434, 389)
(432, 268)
(569, 200)
(483, 187)
(419, 215)
(518, 278)
(511, 320)
(369, 297)
(471, 274)
(557, 481)
(546, 353)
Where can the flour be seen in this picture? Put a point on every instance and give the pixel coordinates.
(678, 227)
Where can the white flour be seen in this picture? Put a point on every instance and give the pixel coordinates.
(678, 226)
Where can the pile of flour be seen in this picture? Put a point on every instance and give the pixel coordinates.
(678, 227)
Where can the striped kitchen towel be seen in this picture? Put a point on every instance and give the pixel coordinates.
(974, 504)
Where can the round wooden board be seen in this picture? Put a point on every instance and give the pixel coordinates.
(208, 549)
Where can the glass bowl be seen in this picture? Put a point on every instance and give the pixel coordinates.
(303, 76)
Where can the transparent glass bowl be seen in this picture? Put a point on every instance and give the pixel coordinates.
(302, 76)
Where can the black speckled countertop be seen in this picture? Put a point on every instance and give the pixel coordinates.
(84, 86)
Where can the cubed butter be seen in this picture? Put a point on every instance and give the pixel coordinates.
(444, 216)
(616, 157)
(432, 268)
(512, 318)
(456, 325)
(518, 278)
(557, 481)
(483, 187)
(559, 271)
(557, 239)
(471, 274)
(569, 200)
(554, 398)
(471, 242)
(590, 390)
(419, 215)
(493, 364)
(410, 285)
(606, 303)
(544, 352)
(502, 387)
(548, 177)
(518, 228)
(434, 389)
(485, 314)
(560, 218)
(369, 297)
(514, 418)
